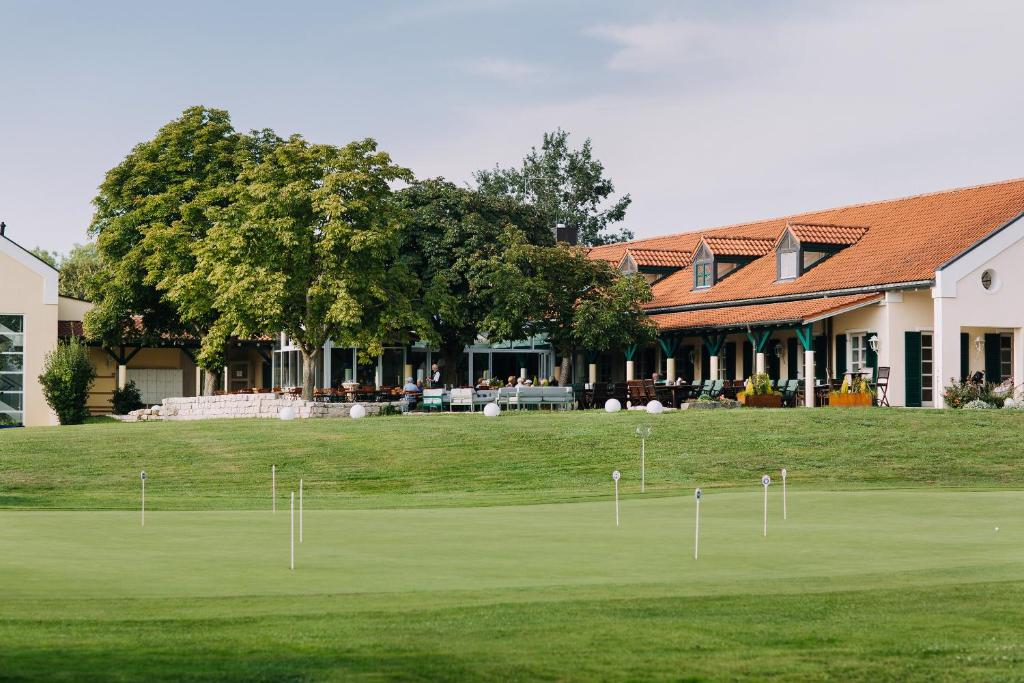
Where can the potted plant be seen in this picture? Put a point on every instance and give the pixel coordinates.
(852, 394)
(758, 393)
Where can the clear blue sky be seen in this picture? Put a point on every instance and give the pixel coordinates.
(706, 112)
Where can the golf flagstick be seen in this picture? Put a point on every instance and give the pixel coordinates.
(765, 481)
(615, 478)
(696, 536)
(292, 538)
(143, 497)
(785, 512)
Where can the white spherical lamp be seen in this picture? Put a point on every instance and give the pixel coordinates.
(1009, 403)
(492, 410)
(655, 408)
(287, 414)
(612, 405)
(357, 412)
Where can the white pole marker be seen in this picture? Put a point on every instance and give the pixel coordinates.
(766, 481)
(300, 511)
(143, 497)
(696, 537)
(615, 478)
(785, 512)
(273, 488)
(643, 431)
(292, 543)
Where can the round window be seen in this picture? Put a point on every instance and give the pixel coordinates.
(988, 279)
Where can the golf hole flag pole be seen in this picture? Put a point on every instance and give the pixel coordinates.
(143, 476)
(292, 538)
(766, 482)
(643, 431)
(273, 488)
(696, 537)
(785, 512)
(615, 478)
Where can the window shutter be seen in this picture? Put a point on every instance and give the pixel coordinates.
(965, 356)
(773, 361)
(705, 363)
(730, 360)
(687, 364)
(912, 368)
(993, 372)
(820, 357)
(840, 355)
(748, 360)
(793, 358)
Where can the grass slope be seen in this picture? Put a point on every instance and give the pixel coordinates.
(518, 458)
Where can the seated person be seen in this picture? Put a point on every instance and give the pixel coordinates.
(410, 393)
(511, 382)
(552, 381)
(656, 378)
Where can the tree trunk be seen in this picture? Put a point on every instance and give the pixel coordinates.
(309, 371)
(209, 382)
(565, 370)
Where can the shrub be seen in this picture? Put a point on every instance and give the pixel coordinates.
(6, 420)
(67, 376)
(959, 394)
(126, 399)
(977, 404)
(989, 394)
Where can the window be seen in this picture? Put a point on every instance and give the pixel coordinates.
(12, 369)
(858, 352)
(703, 274)
(927, 394)
(1005, 357)
(989, 281)
(788, 255)
(813, 258)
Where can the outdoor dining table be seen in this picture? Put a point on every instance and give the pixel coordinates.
(678, 392)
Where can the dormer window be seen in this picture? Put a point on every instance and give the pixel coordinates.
(703, 268)
(804, 245)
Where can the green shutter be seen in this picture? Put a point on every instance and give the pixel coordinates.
(820, 357)
(687, 363)
(748, 360)
(840, 355)
(912, 368)
(705, 362)
(965, 356)
(872, 355)
(772, 361)
(993, 373)
(793, 358)
(730, 360)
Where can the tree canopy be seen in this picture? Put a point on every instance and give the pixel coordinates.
(451, 234)
(308, 245)
(567, 186)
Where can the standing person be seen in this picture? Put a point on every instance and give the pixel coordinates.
(435, 377)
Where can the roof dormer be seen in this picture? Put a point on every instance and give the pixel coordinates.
(804, 245)
(718, 257)
(653, 264)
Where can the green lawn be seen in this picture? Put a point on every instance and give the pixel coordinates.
(463, 548)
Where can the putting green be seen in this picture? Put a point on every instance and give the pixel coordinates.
(831, 541)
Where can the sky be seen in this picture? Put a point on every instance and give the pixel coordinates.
(706, 113)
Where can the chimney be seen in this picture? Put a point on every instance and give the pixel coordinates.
(566, 234)
(3, 228)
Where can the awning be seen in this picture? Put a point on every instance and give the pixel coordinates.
(782, 314)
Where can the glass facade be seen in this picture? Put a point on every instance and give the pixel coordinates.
(12, 369)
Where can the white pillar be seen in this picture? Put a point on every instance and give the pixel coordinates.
(199, 381)
(630, 370)
(946, 349)
(759, 364)
(592, 373)
(225, 379)
(809, 378)
(326, 353)
(670, 369)
(378, 376)
(522, 372)
(408, 371)
(713, 367)
(122, 376)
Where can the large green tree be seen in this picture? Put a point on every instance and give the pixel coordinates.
(451, 234)
(309, 245)
(151, 214)
(79, 268)
(567, 186)
(577, 302)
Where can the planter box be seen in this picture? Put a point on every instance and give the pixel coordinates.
(765, 401)
(850, 400)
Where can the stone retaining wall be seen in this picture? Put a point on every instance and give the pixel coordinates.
(243, 406)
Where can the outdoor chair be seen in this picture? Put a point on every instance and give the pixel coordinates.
(621, 392)
(530, 396)
(507, 397)
(600, 395)
(557, 397)
(882, 384)
(650, 393)
(716, 388)
(637, 395)
(789, 389)
(433, 399)
(705, 388)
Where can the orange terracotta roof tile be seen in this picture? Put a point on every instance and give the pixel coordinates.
(658, 258)
(738, 246)
(906, 240)
(821, 233)
(788, 312)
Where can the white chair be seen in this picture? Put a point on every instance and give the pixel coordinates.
(508, 397)
(530, 396)
(484, 396)
(557, 397)
(461, 398)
